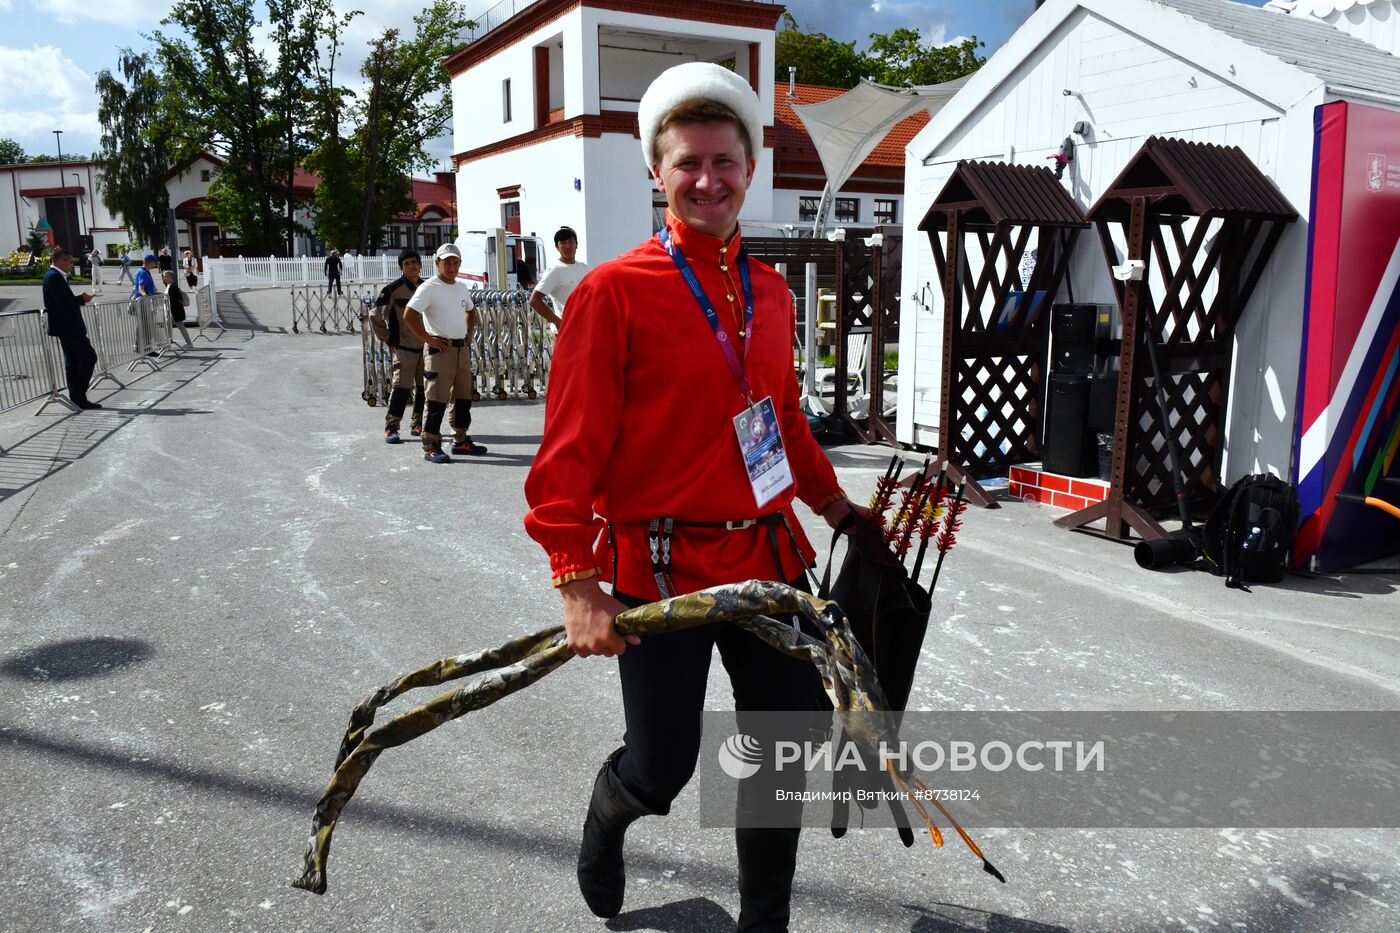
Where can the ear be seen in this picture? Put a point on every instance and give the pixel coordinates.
(656, 175)
(748, 180)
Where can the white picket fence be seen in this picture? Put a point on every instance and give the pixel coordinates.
(272, 272)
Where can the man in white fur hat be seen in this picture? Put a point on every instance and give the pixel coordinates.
(666, 357)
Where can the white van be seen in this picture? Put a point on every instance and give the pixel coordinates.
(486, 265)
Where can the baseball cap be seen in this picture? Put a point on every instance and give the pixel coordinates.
(149, 257)
(447, 249)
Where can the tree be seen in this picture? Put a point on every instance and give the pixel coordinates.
(818, 58)
(133, 161)
(11, 152)
(335, 198)
(902, 59)
(294, 32)
(218, 98)
(405, 76)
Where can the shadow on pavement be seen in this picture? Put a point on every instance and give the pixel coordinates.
(236, 316)
(952, 918)
(698, 914)
(77, 658)
(77, 434)
(693, 915)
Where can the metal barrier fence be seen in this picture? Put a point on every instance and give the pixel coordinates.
(316, 310)
(511, 350)
(127, 332)
(204, 316)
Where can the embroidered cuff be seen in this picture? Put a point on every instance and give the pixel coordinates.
(821, 506)
(576, 575)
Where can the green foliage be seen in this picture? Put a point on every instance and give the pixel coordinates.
(406, 79)
(11, 152)
(900, 58)
(336, 197)
(36, 243)
(819, 58)
(370, 143)
(133, 159)
(221, 96)
(905, 59)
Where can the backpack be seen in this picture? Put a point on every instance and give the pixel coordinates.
(1249, 532)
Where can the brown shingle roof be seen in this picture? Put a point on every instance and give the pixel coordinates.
(1201, 178)
(991, 193)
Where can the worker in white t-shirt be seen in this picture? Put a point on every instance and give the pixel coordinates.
(560, 279)
(442, 315)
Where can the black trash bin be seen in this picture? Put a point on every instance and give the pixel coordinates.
(1069, 443)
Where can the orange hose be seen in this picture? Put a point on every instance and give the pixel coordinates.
(1392, 510)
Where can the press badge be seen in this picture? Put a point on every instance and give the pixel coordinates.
(761, 443)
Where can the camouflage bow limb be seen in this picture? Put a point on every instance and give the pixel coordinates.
(846, 673)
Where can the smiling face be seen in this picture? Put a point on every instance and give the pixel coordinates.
(705, 172)
(412, 268)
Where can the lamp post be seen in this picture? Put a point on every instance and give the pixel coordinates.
(57, 135)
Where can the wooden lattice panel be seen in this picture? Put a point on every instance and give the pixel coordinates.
(1195, 403)
(1001, 395)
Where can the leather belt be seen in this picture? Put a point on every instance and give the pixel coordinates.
(659, 531)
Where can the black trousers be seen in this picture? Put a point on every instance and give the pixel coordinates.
(79, 361)
(663, 696)
(333, 283)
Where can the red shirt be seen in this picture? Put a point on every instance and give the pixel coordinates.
(639, 422)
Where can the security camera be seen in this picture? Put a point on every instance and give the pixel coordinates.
(1130, 271)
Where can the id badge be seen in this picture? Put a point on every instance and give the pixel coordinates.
(761, 443)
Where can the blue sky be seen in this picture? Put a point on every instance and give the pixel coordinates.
(47, 69)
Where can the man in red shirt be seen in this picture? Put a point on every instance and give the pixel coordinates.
(668, 356)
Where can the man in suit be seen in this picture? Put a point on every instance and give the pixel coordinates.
(65, 311)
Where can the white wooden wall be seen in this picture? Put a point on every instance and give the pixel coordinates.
(1127, 89)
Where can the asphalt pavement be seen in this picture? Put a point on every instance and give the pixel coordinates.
(198, 583)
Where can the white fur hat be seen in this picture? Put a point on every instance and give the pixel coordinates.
(692, 81)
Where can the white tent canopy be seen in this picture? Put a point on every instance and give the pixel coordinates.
(847, 129)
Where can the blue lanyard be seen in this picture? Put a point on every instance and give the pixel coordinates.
(732, 358)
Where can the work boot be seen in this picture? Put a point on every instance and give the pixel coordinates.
(767, 862)
(601, 877)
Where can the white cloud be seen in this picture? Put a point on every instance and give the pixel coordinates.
(130, 13)
(42, 90)
(937, 34)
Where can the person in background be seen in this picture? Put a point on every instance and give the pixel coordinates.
(126, 268)
(387, 321)
(560, 279)
(441, 314)
(144, 285)
(165, 260)
(191, 269)
(333, 266)
(95, 257)
(178, 302)
(65, 314)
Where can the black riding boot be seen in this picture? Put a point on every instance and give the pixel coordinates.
(613, 808)
(767, 862)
